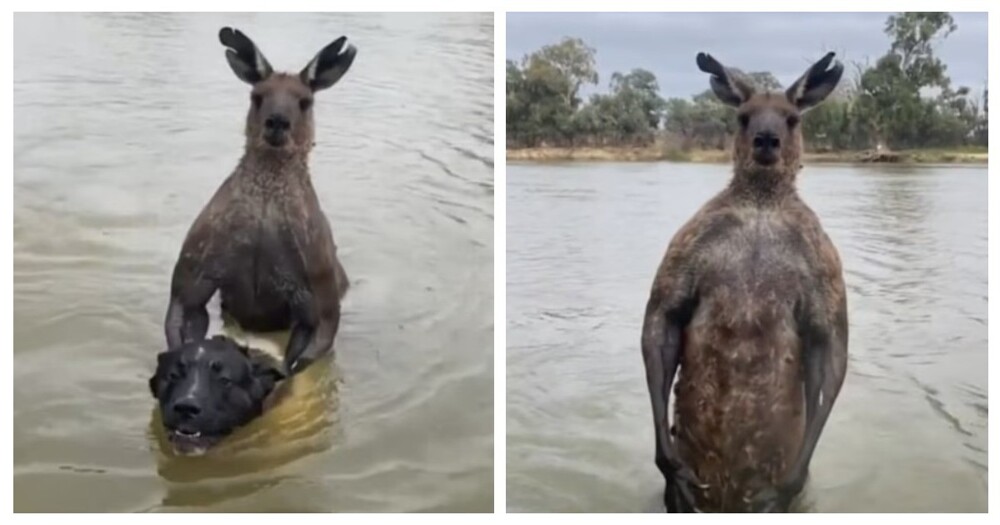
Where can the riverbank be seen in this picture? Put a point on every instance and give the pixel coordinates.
(655, 154)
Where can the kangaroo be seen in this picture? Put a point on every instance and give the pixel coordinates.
(748, 311)
(262, 241)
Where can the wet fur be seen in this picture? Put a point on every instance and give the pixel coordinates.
(262, 241)
(192, 375)
(748, 307)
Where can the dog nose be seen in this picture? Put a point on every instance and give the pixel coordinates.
(766, 140)
(186, 408)
(277, 123)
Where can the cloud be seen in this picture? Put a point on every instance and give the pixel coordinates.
(783, 43)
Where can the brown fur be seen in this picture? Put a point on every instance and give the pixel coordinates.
(281, 90)
(749, 296)
(262, 240)
(791, 151)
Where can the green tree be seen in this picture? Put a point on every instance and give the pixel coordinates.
(891, 101)
(679, 119)
(762, 80)
(542, 93)
(639, 92)
(904, 100)
(716, 122)
(572, 62)
(913, 38)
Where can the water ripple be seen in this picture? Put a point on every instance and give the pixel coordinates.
(106, 184)
(583, 243)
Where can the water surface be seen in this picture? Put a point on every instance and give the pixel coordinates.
(124, 127)
(909, 430)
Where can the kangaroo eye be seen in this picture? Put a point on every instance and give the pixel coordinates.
(793, 120)
(744, 119)
(256, 100)
(305, 103)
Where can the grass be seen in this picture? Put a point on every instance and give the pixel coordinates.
(946, 156)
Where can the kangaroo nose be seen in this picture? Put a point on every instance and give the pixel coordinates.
(277, 123)
(766, 140)
(186, 408)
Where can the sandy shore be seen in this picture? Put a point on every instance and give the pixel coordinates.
(655, 154)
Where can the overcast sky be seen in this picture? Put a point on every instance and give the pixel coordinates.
(783, 43)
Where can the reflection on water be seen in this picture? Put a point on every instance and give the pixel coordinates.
(302, 421)
(124, 127)
(909, 432)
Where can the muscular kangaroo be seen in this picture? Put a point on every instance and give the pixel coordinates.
(263, 241)
(748, 312)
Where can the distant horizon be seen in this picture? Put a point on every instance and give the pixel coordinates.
(666, 43)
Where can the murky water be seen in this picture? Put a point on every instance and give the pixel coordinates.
(124, 127)
(909, 431)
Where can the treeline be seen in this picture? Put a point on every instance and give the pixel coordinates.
(903, 101)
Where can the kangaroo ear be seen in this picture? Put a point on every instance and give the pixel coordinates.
(816, 83)
(730, 89)
(326, 68)
(246, 60)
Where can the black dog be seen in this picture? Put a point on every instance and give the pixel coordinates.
(208, 389)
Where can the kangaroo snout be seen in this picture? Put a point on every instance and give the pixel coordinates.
(277, 123)
(766, 145)
(276, 128)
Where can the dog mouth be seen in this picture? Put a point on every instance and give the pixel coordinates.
(187, 442)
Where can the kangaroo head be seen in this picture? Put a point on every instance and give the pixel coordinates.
(769, 137)
(280, 117)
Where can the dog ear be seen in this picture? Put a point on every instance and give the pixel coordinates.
(164, 360)
(269, 370)
(266, 371)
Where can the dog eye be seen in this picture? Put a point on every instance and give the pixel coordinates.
(744, 119)
(305, 103)
(257, 100)
(793, 120)
(174, 375)
(225, 381)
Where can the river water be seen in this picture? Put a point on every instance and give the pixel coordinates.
(124, 125)
(909, 430)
